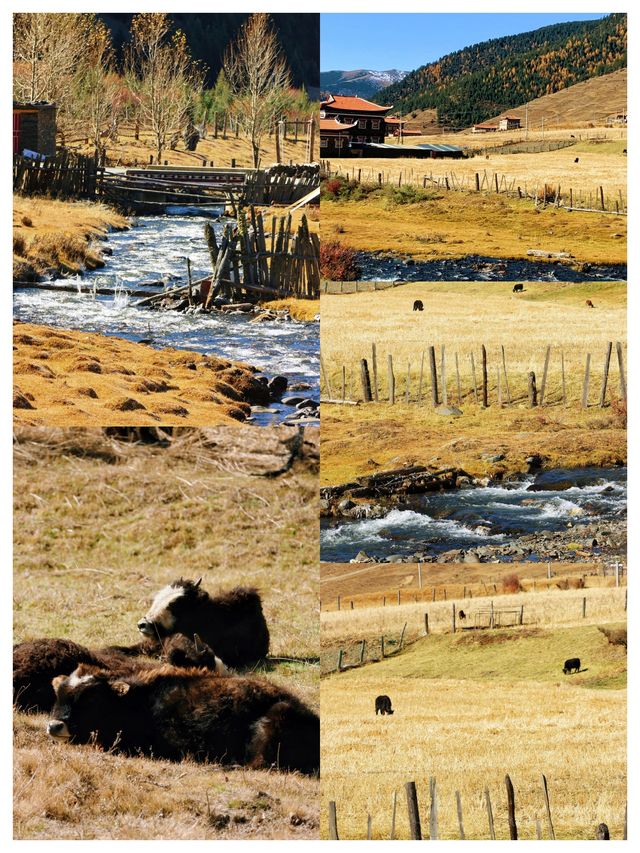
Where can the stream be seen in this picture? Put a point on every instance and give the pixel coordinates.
(374, 267)
(523, 520)
(155, 249)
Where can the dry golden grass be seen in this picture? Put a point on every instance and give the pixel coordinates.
(359, 440)
(601, 165)
(100, 526)
(305, 310)
(457, 224)
(463, 316)
(468, 734)
(366, 585)
(128, 151)
(59, 235)
(546, 608)
(69, 378)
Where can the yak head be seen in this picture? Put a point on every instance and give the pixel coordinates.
(87, 706)
(172, 609)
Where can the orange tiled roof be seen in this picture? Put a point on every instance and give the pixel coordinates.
(487, 126)
(334, 124)
(352, 102)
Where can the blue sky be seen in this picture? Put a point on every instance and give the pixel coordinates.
(407, 40)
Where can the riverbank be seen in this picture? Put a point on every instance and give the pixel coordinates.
(453, 225)
(69, 378)
(359, 440)
(53, 237)
(302, 310)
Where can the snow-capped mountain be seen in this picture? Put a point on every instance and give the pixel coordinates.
(362, 82)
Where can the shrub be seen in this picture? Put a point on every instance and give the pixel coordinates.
(338, 262)
(19, 245)
(332, 188)
(27, 221)
(619, 409)
(511, 583)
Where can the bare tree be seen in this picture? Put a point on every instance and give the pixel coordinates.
(162, 75)
(259, 78)
(97, 86)
(47, 47)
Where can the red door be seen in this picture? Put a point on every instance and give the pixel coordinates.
(16, 133)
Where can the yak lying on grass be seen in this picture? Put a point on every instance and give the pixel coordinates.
(173, 713)
(231, 623)
(37, 662)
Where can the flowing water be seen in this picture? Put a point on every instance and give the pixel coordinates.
(156, 250)
(478, 268)
(495, 515)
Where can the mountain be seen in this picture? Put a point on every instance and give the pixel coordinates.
(361, 82)
(208, 35)
(484, 80)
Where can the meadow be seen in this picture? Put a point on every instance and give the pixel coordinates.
(101, 524)
(473, 706)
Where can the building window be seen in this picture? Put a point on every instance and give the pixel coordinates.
(322, 114)
(362, 124)
(375, 123)
(339, 142)
(362, 138)
(323, 142)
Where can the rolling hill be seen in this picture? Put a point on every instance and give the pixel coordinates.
(486, 79)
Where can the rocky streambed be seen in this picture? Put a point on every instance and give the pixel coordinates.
(417, 515)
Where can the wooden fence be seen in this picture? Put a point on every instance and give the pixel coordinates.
(65, 175)
(472, 380)
(280, 184)
(339, 287)
(545, 828)
(597, 200)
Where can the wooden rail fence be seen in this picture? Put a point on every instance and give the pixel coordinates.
(472, 380)
(65, 175)
(599, 199)
(432, 819)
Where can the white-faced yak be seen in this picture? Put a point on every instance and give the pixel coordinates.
(173, 713)
(231, 623)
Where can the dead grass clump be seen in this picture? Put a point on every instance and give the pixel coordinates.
(87, 391)
(173, 409)
(511, 584)
(20, 400)
(126, 404)
(19, 244)
(88, 365)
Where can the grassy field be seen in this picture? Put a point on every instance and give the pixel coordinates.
(128, 150)
(49, 234)
(457, 224)
(600, 164)
(100, 526)
(365, 585)
(468, 709)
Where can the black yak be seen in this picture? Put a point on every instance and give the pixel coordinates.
(37, 662)
(571, 665)
(173, 713)
(418, 306)
(231, 623)
(518, 288)
(383, 705)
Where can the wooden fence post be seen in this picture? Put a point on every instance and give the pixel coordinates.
(394, 802)
(473, 376)
(544, 375)
(326, 378)
(412, 808)
(605, 375)
(506, 378)
(433, 810)
(485, 384)
(382, 646)
(362, 648)
(453, 617)
(392, 380)
(401, 642)
(443, 376)
(419, 576)
(333, 822)
(365, 380)
(340, 656)
(545, 791)
(623, 381)
(426, 623)
(533, 393)
(585, 383)
(511, 808)
(434, 376)
(374, 367)
(584, 607)
(368, 827)
(487, 802)
(421, 375)
(459, 810)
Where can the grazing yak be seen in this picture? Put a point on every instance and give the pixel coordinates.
(571, 665)
(173, 713)
(590, 304)
(518, 288)
(418, 306)
(37, 662)
(231, 623)
(383, 705)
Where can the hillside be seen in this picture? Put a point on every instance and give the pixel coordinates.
(588, 102)
(361, 82)
(485, 79)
